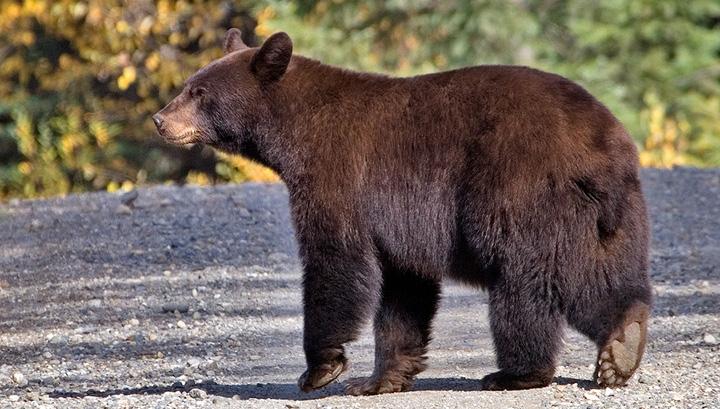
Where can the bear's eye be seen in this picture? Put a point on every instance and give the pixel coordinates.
(197, 92)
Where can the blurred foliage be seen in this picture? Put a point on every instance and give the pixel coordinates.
(80, 79)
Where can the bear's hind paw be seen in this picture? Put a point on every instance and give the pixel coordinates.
(620, 357)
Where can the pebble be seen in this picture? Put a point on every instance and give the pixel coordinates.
(95, 303)
(14, 398)
(179, 307)
(197, 393)
(134, 322)
(47, 355)
(196, 315)
(709, 339)
(19, 379)
(123, 209)
(181, 324)
(128, 198)
(591, 396)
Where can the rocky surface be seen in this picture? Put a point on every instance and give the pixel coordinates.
(190, 297)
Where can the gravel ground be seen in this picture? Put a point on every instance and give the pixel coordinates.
(192, 299)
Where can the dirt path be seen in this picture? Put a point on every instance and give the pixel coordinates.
(88, 294)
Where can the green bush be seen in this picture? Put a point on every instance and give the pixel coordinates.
(80, 79)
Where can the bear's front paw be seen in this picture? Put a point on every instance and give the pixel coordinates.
(319, 376)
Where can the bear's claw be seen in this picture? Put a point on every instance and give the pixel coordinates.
(322, 375)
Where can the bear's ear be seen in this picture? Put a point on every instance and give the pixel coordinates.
(271, 60)
(233, 41)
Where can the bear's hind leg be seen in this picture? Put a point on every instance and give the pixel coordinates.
(526, 329)
(402, 333)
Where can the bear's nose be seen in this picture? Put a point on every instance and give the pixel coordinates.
(158, 121)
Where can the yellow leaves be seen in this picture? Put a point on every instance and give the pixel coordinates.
(146, 25)
(70, 142)
(122, 27)
(112, 187)
(35, 7)
(237, 169)
(79, 10)
(197, 178)
(10, 11)
(25, 168)
(125, 186)
(25, 134)
(127, 78)
(27, 38)
(153, 61)
(263, 29)
(175, 38)
(665, 144)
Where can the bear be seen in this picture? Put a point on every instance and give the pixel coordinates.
(506, 178)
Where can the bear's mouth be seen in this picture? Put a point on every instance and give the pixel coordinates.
(185, 137)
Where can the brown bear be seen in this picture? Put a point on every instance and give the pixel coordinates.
(502, 177)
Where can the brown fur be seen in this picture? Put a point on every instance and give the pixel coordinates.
(503, 177)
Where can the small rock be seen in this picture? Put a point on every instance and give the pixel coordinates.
(13, 398)
(255, 357)
(196, 315)
(35, 224)
(128, 198)
(591, 396)
(609, 392)
(676, 396)
(152, 337)
(173, 307)
(167, 273)
(19, 379)
(181, 324)
(95, 303)
(697, 365)
(134, 322)
(197, 393)
(709, 339)
(642, 379)
(47, 355)
(123, 209)
(32, 396)
(194, 292)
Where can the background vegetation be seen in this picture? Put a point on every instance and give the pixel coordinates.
(80, 79)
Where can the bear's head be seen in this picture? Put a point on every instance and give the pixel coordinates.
(225, 103)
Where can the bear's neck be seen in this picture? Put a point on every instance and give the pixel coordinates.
(311, 103)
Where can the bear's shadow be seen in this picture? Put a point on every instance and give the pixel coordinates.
(290, 391)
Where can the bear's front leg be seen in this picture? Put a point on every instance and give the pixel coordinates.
(402, 333)
(341, 286)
